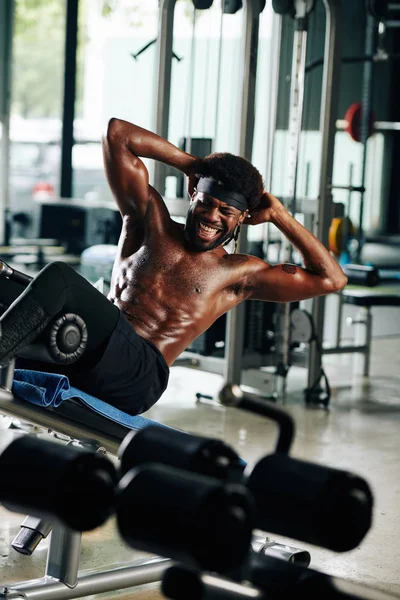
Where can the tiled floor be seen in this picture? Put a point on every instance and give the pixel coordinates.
(360, 432)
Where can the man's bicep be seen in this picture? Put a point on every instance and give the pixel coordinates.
(288, 283)
(128, 178)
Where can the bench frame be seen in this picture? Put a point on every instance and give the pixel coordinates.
(363, 334)
(62, 580)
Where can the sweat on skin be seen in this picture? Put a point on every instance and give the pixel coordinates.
(172, 280)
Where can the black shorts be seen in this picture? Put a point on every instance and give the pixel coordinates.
(131, 375)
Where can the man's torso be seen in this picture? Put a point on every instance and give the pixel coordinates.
(168, 292)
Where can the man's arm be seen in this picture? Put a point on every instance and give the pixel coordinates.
(123, 145)
(289, 283)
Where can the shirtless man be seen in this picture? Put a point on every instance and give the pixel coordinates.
(170, 281)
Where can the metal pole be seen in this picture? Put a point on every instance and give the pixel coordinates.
(294, 134)
(272, 110)
(219, 63)
(188, 123)
(6, 35)
(368, 335)
(163, 82)
(330, 98)
(367, 88)
(295, 121)
(338, 333)
(273, 96)
(235, 319)
(64, 554)
(67, 139)
(139, 573)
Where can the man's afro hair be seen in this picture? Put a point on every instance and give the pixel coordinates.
(236, 173)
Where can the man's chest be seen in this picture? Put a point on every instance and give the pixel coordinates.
(188, 274)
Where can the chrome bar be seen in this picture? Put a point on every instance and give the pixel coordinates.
(268, 547)
(147, 571)
(377, 125)
(234, 337)
(163, 82)
(7, 375)
(329, 108)
(295, 123)
(63, 555)
(33, 531)
(272, 108)
(368, 335)
(57, 423)
(357, 349)
(338, 334)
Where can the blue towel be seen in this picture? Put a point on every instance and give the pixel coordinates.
(50, 390)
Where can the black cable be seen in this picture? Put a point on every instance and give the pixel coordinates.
(314, 388)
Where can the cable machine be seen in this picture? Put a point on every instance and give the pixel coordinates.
(234, 363)
(231, 366)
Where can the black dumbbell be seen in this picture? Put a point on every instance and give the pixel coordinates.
(316, 504)
(185, 516)
(48, 479)
(309, 502)
(206, 456)
(198, 454)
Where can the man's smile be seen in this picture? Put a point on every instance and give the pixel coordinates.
(207, 231)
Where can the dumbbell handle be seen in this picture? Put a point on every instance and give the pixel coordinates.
(234, 396)
(18, 276)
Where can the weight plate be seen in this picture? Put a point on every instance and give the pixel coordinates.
(302, 330)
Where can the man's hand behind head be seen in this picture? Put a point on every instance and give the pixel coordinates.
(192, 174)
(264, 211)
(192, 182)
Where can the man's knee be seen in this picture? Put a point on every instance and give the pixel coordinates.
(50, 285)
(57, 269)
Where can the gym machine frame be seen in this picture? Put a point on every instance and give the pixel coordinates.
(234, 364)
(324, 212)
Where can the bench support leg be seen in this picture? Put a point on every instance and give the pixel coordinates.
(64, 554)
(363, 323)
(368, 336)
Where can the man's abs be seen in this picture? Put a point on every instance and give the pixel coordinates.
(170, 311)
(171, 295)
(169, 330)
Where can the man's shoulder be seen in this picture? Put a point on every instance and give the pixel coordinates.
(243, 260)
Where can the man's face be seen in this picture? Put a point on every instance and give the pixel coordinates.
(210, 222)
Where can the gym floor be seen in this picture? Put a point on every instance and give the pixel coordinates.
(360, 432)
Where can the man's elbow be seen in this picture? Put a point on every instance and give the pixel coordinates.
(114, 130)
(337, 283)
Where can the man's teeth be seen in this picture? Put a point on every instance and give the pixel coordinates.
(208, 228)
